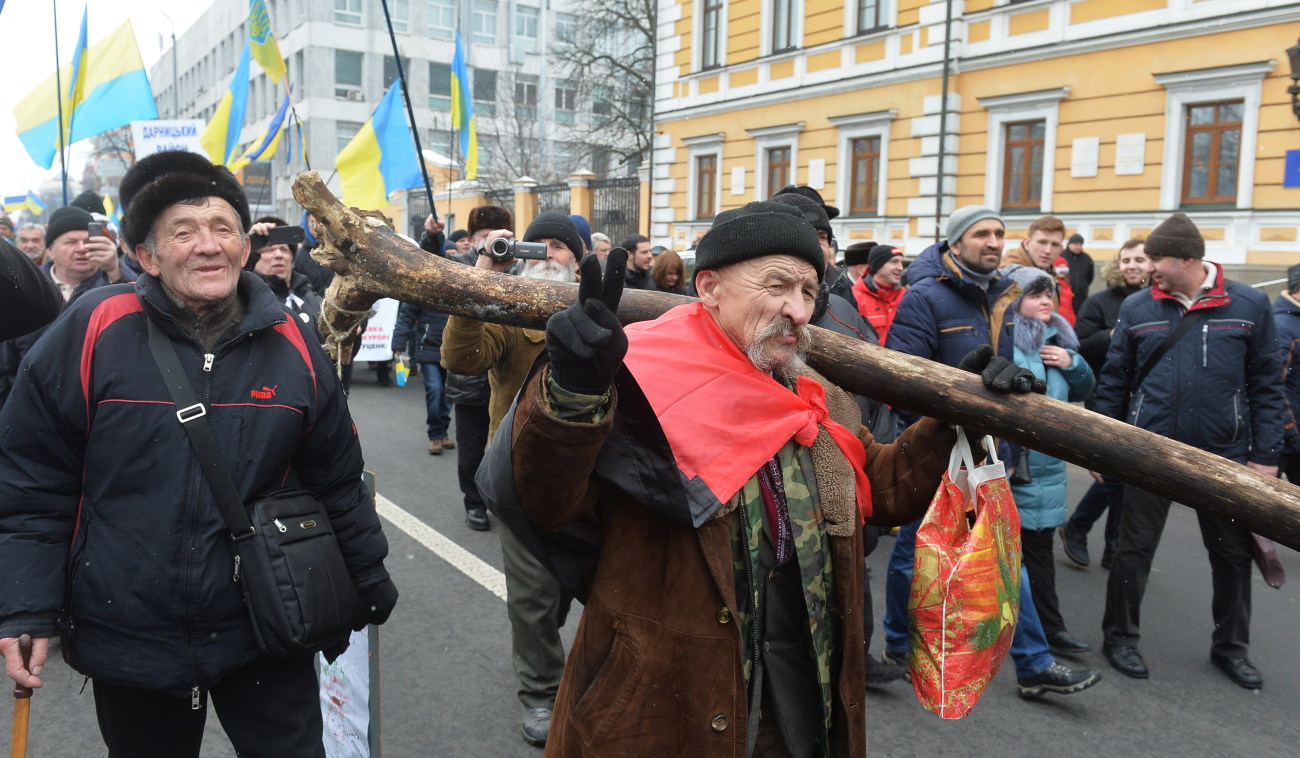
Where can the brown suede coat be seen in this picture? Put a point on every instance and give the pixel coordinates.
(504, 353)
(656, 668)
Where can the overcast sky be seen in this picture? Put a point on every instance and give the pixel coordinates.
(27, 58)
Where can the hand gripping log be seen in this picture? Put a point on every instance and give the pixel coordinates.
(22, 704)
(371, 262)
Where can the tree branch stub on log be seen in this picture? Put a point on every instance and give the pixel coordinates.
(371, 262)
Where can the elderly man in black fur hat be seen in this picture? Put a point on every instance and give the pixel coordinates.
(110, 532)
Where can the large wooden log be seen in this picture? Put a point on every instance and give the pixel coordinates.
(371, 261)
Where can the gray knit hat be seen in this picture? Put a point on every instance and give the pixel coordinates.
(1176, 237)
(965, 217)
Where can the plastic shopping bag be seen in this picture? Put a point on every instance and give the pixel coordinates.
(966, 584)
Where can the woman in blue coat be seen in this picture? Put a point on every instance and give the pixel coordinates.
(1046, 345)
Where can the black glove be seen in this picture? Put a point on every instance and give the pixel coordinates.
(585, 341)
(1000, 374)
(377, 603)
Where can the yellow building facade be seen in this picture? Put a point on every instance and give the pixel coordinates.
(1109, 114)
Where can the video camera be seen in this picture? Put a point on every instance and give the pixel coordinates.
(503, 249)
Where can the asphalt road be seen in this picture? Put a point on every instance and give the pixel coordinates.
(448, 688)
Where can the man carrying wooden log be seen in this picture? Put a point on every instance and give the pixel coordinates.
(728, 484)
(1194, 358)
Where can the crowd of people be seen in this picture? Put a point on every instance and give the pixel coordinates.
(720, 567)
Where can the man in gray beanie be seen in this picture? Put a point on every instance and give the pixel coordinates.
(1194, 358)
(94, 436)
(686, 447)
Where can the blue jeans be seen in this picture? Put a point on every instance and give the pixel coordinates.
(1106, 496)
(1029, 647)
(437, 412)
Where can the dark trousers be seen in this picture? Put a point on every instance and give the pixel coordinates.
(1036, 547)
(1289, 467)
(1106, 496)
(471, 441)
(268, 709)
(437, 414)
(1229, 548)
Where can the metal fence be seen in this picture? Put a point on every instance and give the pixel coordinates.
(502, 197)
(417, 210)
(552, 198)
(616, 207)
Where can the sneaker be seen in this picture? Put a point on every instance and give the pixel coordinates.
(536, 726)
(448, 443)
(879, 672)
(1059, 679)
(477, 519)
(435, 447)
(896, 659)
(1075, 545)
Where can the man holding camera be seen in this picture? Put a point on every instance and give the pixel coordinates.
(110, 531)
(535, 602)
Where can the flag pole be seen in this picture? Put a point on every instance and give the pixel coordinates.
(410, 112)
(58, 85)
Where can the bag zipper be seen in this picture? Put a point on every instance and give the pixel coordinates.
(279, 526)
(236, 567)
(1205, 346)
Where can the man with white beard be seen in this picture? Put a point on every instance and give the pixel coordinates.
(535, 602)
(703, 491)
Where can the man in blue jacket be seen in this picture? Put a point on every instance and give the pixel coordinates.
(956, 303)
(419, 334)
(109, 529)
(1193, 358)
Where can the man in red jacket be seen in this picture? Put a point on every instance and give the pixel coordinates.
(878, 292)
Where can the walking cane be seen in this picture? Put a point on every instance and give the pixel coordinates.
(22, 704)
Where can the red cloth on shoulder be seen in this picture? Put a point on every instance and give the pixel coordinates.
(723, 417)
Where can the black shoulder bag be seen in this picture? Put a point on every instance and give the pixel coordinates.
(296, 586)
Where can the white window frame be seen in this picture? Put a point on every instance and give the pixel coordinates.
(1209, 85)
(698, 147)
(697, 37)
(874, 124)
(786, 135)
(887, 8)
(352, 15)
(432, 10)
(767, 20)
(523, 15)
(1043, 105)
(401, 14)
(479, 11)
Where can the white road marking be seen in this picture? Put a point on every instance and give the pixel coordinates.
(461, 559)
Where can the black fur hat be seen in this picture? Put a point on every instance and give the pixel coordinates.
(166, 178)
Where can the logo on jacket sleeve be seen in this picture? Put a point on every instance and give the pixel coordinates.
(266, 393)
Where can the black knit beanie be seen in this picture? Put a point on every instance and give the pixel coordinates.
(555, 226)
(811, 194)
(69, 218)
(811, 211)
(90, 202)
(758, 229)
(1176, 237)
(880, 255)
(166, 178)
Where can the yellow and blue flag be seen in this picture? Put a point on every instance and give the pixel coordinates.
(221, 137)
(462, 111)
(115, 91)
(381, 158)
(264, 146)
(264, 46)
(114, 213)
(76, 87)
(29, 202)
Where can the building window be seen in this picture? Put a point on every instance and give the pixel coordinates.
(390, 70)
(485, 91)
(1212, 153)
(711, 36)
(484, 30)
(566, 99)
(525, 96)
(344, 131)
(783, 25)
(868, 16)
(706, 186)
(566, 27)
(602, 104)
(442, 18)
(526, 25)
(1022, 167)
(400, 12)
(347, 12)
(864, 195)
(347, 74)
(778, 168)
(439, 85)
